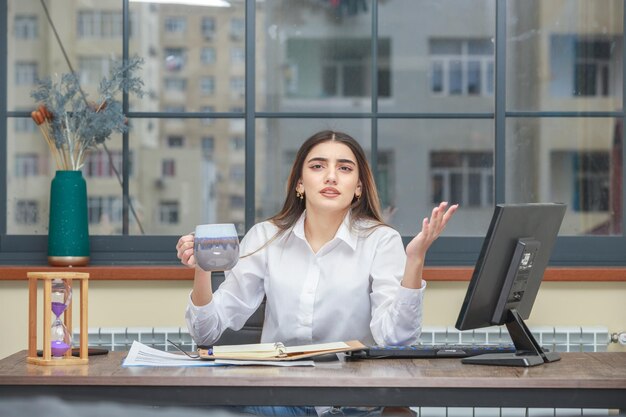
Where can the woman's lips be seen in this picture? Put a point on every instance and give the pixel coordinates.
(330, 192)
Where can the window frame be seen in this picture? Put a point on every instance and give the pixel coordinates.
(157, 249)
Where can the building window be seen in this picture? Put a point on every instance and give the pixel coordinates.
(207, 56)
(591, 181)
(24, 125)
(461, 67)
(237, 86)
(584, 66)
(237, 55)
(168, 212)
(93, 68)
(175, 84)
(208, 27)
(27, 165)
(343, 78)
(237, 172)
(465, 178)
(207, 85)
(208, 145)
(175, 24)
(104, 207)
(344, 68)
(175, 59)
(237, 143)
(592, 68)
(25, 73)
(101, 24)
(237, 28)
(385, 180)
(98, 164)
(168, 168)
(26, 212)
(26, 27)
(175, 141)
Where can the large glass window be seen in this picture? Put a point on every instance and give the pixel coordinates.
(452, 100)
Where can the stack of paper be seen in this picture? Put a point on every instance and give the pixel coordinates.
(142, 355)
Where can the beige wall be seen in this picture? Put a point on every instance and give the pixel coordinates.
(162, 304)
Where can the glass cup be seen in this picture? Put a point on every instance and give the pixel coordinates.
(216, 246)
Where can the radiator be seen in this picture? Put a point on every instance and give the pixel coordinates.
(554, 338)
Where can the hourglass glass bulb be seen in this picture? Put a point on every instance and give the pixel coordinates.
(60, 338)
(61, 296)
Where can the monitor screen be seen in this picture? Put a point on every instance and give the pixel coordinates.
(507, 277)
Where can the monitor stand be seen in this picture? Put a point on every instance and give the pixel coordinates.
(529, 352)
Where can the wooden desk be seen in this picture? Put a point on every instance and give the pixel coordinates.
(579, 380)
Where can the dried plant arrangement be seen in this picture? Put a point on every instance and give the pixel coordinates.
(71, 124)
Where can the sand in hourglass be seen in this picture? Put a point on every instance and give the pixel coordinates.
(58, 348)
(58, 345)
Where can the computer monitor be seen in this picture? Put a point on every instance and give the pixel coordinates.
(507, 276)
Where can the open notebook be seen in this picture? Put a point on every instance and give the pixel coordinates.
(276, 351)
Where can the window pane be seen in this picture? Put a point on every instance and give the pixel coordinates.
(564, 55)
(574, 161)
(474, 78)
(201, 46)
(313, 61)
(276, 147)
(200, 167)
(29, 175)
(455, 80)
(437, 160)
(429, 60)
(436, 77)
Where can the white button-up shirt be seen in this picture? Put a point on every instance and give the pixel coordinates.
(350, 289)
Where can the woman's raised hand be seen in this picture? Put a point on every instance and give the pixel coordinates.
(431, 229)
(184, 250)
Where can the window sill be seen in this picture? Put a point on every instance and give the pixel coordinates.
(181, 273)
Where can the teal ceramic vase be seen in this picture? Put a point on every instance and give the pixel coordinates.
(68, 230)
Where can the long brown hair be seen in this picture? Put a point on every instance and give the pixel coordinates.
(367, 207)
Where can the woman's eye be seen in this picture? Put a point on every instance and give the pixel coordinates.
(316, 166)
(346, 168)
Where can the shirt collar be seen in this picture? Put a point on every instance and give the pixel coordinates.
(344, 232)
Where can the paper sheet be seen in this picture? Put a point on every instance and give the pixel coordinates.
(143, 355)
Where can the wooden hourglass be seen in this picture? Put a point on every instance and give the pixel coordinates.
(57, 300)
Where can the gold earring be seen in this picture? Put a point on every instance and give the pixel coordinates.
(299, 195)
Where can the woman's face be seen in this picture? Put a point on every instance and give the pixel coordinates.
(330, 177)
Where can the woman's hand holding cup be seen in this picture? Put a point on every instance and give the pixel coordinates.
(184, 250)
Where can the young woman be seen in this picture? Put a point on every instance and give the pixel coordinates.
(328, 266)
